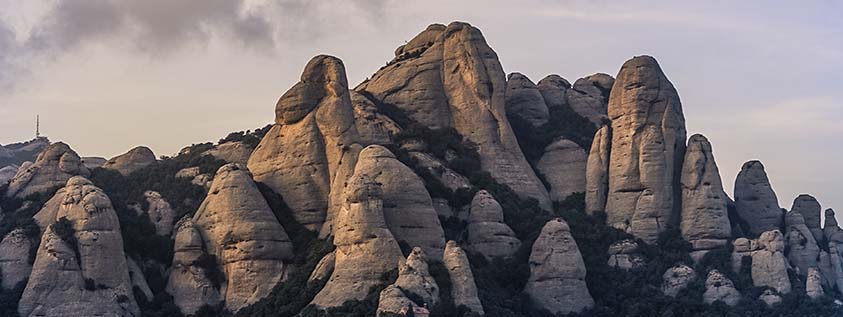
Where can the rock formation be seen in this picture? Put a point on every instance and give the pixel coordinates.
(770, 298)
(366, 249)
(463, 288)
(160, 213)
(449, 77)
(414, 283)
(188, 173)
(597, 171)
(188, 281)
(718, 287)
(232, 152)
(557, 271)
(7, 173)
(769, 265)
(132, 161)
(831, 230)
(92, 162)
(487, 233)
(523, 99)
(563, 165)
(90, 278)
(138, 280)
(14, 258)
(238, 228)
(677, 278)
(809, 208)
(802, 249)
(407, 206)
(648, 146)
(52, 169)
(755, 200)
(704, 219)
(448, 177)
(324, 268)
(813, 284)
(554, 89)
(624, 255)
(372, 126)
(311, 150)
(589, 97)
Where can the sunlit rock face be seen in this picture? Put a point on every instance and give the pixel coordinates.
(52, 169)
(131, 161)
(647, 150)
(448, 77)
(597, 171)
(589, 97)
(704, 219)
(311, 150)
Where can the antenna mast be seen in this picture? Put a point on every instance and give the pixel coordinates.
(37, 126)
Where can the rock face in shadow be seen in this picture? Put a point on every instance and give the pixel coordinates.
(238, 227)
(448, 77)
(311, 150)
(366, 249)
(802, 249)
(372, 126)
(597, 171)
(61, 278)
(809, 208)
(557, 271)
(14, 258)
(132, 161)
(755, 200)
(704, 219)
(589, 97)
(52, 169)
(769, 265)
(648, 146)
(232, 152)
(487, 233)
(414, 280)
(408, 209)
(160, 213)
(554, 89)
(188, 281)
(563, 165)
(677, 278)
(463, 288)
(718, 287)
(523, 99)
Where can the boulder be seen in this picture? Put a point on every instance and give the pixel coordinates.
(52, 169)
(563, 165)
(624, 255)
(704, 220)
(523, 99)
(231, 152)
(718, 287)
(554, 89)
(755, 200)
(132, 161)
(557, 271)
(463, 288)
(648, 146)
(813, 284)
(450, 77)
(589, 97)
(802, 249)
(203, 180)
(414, 282)
(14, 258)
(366, 249)
(311, 150)
(809, 208)
(770, 298)
(677, 278)
(324, 268)
(239, 228)
(160, 213)
(597, 171)
(90, 278)
(188, 281)
(407, 206)
(487, 233)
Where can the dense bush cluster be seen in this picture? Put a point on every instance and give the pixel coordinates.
(248, 137)
(563, 122)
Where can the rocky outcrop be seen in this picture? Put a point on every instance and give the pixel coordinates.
(231, 152)
(239, 228)
(449, 77)
(589, 97)
(324, 268)
(597, 171)
(92, 162)
(769, 265)
(366, 249)
(770, 298)
(557, 271)
(755, 200)
(563, 165)
(448, 177)
(47, 215)
(718, 287)
(160, 213)
(677, 278)
(624, 255)
(809, 208)
(138, 280)
(407, 206)
(831, 230)
(132, 161)
(311, 150)
(554, 89)
(835, 266)
(188, 281)
(523, 99)
(648, 146)
(704, 219)
(14, 258)
(813, 284)
(90, 278)
(414, 281)
(372, 126)
(7, 173)
(802, 249)
(487, 233)
(188, 173)
(463, 288)
(52, 169)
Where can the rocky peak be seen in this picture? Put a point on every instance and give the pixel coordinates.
(463, 288)
(488, 235)
(564, 165)
(755, 200)
(557, 271)
(809, 208)
(554, 89)
(52, 169)
(129, 162)
(523, 99)
(589, 97)
(704, 219)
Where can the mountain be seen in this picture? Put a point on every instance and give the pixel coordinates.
(440, 185)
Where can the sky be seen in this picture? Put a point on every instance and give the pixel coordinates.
(760, 79)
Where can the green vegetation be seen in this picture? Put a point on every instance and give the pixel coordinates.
(248, 137)
(563, 122)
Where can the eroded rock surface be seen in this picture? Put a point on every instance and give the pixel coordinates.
(755, 200)
(523, 99)
(809, 208)
(718, 287)
(597, 171)
(802, 249)
(14, 258)
(624, 255)
(564, 166)
(704, 219)
(160, 213)
(487, 233)
(232, 152)
(414, 280)
(769, 265)
(463, 288)
(813, 284)
(554, 89)
(589, 97)
(677, 278)
(132, 161)
(52, 169)
(188, 281)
